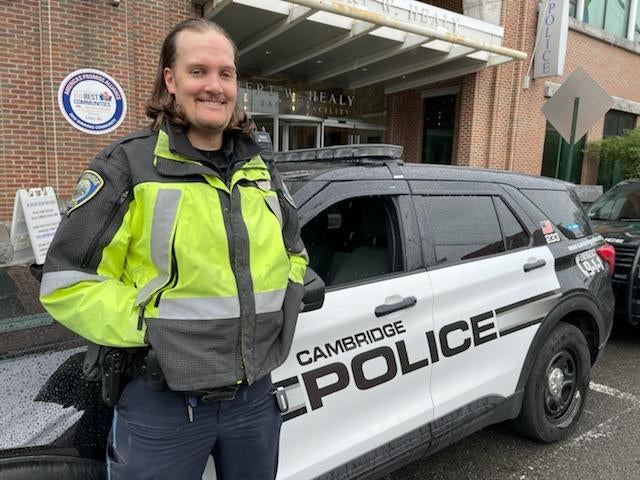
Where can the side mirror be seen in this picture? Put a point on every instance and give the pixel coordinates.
(313, 291)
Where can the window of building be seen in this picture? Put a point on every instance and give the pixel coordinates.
(465, 227)
(572, 8)
(556, 161)
(636, 29)
(439, 121)
(616, 122)
(609, 15)
(354, 240)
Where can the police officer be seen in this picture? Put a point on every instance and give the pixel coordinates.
(180, 238)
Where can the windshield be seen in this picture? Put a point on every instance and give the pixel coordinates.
(621, 203)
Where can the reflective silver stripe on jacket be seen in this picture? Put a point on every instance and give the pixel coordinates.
(267, 302)
(274, 206)
(215, 308)
(164, 215)
(52, 281)
(205, 308)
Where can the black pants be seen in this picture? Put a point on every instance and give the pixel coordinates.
(152, 438)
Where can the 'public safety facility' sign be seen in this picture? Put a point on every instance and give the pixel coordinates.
(92, 101)
(551, 42)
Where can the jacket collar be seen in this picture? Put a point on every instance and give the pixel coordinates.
(234, 147)
(175, 156)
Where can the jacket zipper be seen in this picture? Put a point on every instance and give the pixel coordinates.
(141, 312)
(94, 244)
(227, 216)
(234, 259)
(173, 281)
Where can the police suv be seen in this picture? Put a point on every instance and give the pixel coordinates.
(616, 216)
(439, 300)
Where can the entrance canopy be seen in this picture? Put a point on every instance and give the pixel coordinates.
(391, 44)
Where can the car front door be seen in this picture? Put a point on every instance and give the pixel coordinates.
(357, 376)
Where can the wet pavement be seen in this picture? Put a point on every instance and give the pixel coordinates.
(605, 445)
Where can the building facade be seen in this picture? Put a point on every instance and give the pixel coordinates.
(495, 118)
(443, 78)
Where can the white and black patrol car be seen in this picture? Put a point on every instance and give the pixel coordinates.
(616, 216)
(439, 300)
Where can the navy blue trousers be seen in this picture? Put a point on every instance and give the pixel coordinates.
(152, 438)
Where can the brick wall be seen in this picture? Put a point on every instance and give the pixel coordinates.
(41, 43)
(405, 118)
(407, 111)
(500, 124)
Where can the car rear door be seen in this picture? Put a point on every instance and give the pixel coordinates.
(491, 288)
(357, 376)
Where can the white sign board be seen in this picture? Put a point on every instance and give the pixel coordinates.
(594, 103)
(551, 43)
(35, 220)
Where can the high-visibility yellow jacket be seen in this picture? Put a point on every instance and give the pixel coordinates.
(157, 249)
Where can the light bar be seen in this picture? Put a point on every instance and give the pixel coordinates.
(368, 151)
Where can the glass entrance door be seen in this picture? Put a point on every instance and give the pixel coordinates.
(348, 133)
(338, 135)
(291, 132)
(297, 135)
(369, 135)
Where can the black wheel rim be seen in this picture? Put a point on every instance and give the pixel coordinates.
(562, 397)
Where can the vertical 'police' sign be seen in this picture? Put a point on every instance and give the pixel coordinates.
(551, 42)
(92, 101)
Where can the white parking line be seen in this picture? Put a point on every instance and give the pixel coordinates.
(614, 392)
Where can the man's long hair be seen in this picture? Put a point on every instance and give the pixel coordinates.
(162, 105)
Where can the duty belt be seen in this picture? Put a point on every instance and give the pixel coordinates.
(214, 394)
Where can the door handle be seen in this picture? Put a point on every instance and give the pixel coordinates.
(385, 309)
(534, 264)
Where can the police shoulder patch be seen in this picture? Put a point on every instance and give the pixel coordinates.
(89, 184)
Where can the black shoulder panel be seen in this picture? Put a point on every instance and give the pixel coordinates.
(145, 132)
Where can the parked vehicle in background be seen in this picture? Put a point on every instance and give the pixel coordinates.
(616, 216)
(455, 298)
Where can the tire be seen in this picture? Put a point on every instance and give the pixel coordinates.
(50, 467)
(557, 387)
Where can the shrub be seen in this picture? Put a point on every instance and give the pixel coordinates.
(624, 148)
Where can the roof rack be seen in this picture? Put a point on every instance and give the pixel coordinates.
(366, 151)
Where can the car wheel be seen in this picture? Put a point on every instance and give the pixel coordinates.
(51, 467)
(557, 388)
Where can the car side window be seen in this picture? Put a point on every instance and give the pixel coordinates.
(563, 209)
(463, 227)
(515, 236)
(354, 240)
